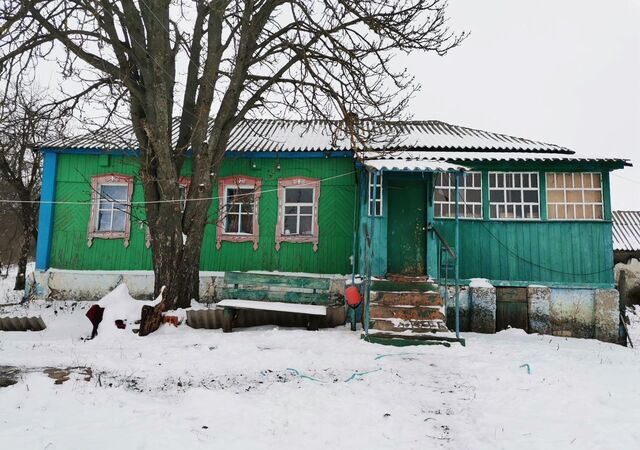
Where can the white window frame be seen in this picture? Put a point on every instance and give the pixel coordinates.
(379, 194)
(240, 213)
(572, 204)
(112, 208)
(298, 214)
(97, 183)
(462, 203)
(522, 203)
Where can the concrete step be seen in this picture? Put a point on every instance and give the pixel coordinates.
(403, 286)
(407, 312)
(407, 298)
(416, 326)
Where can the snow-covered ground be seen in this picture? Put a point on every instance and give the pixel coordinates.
(7, 294)
(266, 387)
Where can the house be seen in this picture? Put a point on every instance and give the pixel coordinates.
(531, 245)
(626, 236)
(626, 252)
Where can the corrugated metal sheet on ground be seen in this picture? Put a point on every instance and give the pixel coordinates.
(212, 318)
(626, 231)
(22, 324)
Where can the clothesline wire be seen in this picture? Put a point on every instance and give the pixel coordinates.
(142, 202)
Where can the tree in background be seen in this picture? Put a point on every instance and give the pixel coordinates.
(25, 119)
(189, 71)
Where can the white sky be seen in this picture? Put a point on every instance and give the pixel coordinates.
(559, 71)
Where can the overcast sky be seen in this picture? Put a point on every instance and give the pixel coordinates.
(559, 71)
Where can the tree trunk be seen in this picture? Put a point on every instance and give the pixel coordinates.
(28, 219)
(25, 250)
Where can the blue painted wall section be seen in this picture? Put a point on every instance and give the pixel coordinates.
(45, 221)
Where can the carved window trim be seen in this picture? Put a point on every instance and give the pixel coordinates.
(92, 230)
(184, 182)
(242, 181)
(284, 183)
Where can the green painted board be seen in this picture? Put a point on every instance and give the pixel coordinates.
(69, 248)
(276, 296)
(253, 279)
(406, 251)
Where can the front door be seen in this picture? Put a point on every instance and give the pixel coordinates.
(406, 245)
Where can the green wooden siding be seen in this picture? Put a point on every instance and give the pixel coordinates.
(517, 251)
(70, 250)
(566, 252)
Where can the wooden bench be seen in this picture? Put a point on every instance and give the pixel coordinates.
(279, 293)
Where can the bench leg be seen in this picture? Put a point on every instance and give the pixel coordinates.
(227, 319)
(313, 323)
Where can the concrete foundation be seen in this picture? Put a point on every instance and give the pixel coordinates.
(607, 315)
(539, 305)
(93, 285)
(482, 296)
(570, 312)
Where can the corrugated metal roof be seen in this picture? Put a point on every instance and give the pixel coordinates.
(626, 231)
(413, 165)
(401, 140)
(293, 135)
(464, 156)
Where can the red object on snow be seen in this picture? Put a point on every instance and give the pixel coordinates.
(353, 296)
(95, 316)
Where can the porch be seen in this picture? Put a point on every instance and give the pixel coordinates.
(401, 253)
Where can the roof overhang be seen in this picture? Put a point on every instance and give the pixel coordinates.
(408, 165)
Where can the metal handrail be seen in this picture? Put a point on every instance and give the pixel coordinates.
(444, 242)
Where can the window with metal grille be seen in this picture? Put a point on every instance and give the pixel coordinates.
(514, 195)
(469, 195)
(574, 196)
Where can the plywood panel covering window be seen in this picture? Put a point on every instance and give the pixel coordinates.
(377, 189)
(574, 196)
(514, 195)
(469, 195)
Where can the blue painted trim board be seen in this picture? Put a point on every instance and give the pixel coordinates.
(229, 154)
(45, 221)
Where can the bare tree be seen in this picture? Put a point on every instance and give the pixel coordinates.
(25, 118)
(209, 64)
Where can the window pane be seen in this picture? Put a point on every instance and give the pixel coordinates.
(246, 223)
(574, 196)
(104, 221)
(555, 196)
(530, 196)
(514, 196)
(113, 192)
(497, 196)
(551, 180)
(298, 195)
(305, 225)
(308, 209)
(119, 220)
(593, 196)
(598, 211)
(231, 223)
(290, 210)
(290, 226)
(474, 195)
